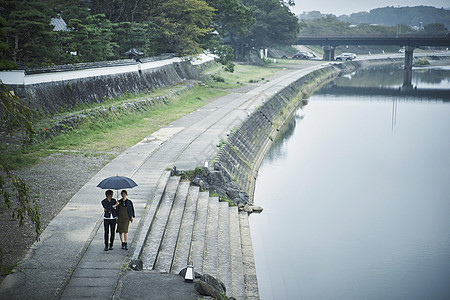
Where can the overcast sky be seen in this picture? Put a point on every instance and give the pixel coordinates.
(340, 7)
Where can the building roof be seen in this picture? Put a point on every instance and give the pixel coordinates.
(59, 24)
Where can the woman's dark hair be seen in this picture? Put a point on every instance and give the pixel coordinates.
(109, 192)
(124, 191)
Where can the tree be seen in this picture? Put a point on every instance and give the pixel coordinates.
(70, 9)
(231, 20)
(183, 23)
(5, 64)
(129, 35)
(126, 11)
(435, 29)
(328, 25)
(231, 17)
(14, 191)
(32, 36)
(91, 39)
(275, 25)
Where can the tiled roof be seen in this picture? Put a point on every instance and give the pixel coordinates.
(59, 24)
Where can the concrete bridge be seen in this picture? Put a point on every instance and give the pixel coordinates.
(410, 42)
(415, 94)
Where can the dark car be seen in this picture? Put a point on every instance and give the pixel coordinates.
(301, 55)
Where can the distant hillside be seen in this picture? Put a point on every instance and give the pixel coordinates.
(391, 16)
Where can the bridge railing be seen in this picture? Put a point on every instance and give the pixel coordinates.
(394, 35)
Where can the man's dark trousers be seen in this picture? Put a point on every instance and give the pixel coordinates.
(109, 224)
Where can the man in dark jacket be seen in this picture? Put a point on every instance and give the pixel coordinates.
(109, 219)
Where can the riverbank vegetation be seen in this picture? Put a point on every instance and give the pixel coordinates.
(115, 133)
(43, 33)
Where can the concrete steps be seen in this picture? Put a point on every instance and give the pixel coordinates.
(189, 226)
(167, 250)
(211, 239)
(199, 232)
(181, 258)
(223, 246)
(158, 225)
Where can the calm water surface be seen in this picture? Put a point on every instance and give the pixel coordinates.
(357, 201)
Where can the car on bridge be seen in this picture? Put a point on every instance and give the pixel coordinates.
(346, 56)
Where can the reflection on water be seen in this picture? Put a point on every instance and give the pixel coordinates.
(354, 209)
(392, 77)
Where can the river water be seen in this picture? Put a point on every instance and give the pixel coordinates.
(356, 195)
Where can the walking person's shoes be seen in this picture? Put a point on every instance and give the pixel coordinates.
(126, 246)
(123, 245)
(110, 246)
(106, 248)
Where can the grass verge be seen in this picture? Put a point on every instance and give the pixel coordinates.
(114, 134)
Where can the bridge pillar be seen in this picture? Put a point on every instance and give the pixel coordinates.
(328, 53)
(409, 58)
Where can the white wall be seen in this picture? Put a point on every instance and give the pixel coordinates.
(12, 77)
(19, 77)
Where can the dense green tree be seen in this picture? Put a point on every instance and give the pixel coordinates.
(100, 45)
(231, 17)
(435, 29)
(91, 39)
(74, 44)
(331, 25)
(126, 11)
(5, 64)
(70, 9)
(275, 25)
(231, 20)
(183, 23)
(129, 35)
(369, 29)
(417, 16)
(328, 25)
(31, 37)
(394, 15)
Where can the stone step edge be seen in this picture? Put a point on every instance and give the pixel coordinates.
(145, 224)
(210, 250)
(186, 231)
(155, 235)
(237, 288)
(224, 246)
(250, 279)
(172, 218)
(199, 232)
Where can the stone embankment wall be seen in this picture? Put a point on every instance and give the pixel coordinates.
(59, 96)
(245, 148)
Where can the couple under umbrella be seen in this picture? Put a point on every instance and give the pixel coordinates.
(121, 211)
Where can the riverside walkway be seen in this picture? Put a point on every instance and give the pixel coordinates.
(69, 261)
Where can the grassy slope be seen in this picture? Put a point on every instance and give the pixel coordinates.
(114, 135)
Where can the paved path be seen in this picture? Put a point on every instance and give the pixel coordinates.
(69, 261)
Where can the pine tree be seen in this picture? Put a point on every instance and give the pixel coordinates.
(31, 34)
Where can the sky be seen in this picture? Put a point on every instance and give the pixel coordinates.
(340, 7)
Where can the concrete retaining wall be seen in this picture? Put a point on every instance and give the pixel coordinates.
(59, 94)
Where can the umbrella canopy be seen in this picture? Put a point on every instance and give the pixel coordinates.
(117, 183)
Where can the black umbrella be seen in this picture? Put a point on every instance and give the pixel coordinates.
(117, 183)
